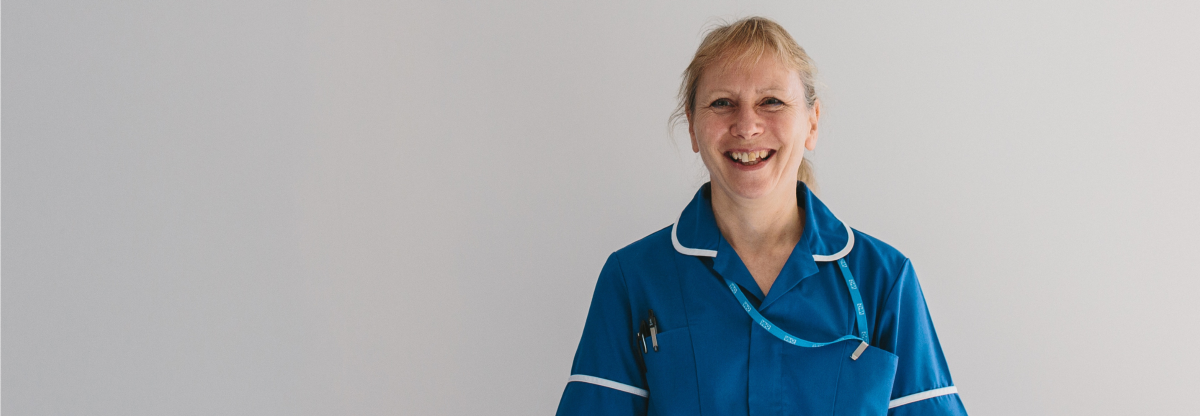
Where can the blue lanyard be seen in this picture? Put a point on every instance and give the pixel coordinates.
(859, 312)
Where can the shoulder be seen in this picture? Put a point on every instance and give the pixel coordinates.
(624, 274)
(652, 248)
(645, 262)
(872, 247)
(875, 257)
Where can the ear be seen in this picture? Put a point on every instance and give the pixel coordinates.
(692, 132)
(813, 117)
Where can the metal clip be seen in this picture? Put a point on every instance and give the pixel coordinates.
(642, 330)
(653, 330)
(858, 351)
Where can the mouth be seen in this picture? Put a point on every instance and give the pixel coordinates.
(750, 158)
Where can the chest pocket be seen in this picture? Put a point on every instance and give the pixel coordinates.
(864, 386)
(671, 374)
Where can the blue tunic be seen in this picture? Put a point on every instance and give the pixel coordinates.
(712, 359)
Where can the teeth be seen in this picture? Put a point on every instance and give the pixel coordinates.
(747, 157)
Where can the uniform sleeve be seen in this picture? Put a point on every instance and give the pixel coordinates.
(605, 378)
(923, 385)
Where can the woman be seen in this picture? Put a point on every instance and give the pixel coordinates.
(758, 300)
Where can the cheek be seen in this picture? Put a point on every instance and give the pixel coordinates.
(707, 136)
(791, 133)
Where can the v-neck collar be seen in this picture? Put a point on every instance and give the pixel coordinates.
(824, 239)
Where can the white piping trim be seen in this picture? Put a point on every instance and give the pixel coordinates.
(688, 251)
(608, 383)
(928, 394)
(840, 254)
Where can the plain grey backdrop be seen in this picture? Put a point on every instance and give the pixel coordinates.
(372, 207)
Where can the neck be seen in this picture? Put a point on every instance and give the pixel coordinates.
(753, 225)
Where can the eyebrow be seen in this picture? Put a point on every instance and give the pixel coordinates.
(759, 91)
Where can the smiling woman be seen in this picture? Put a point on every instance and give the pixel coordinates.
(714, 314)
(741, 45)
(752, 126)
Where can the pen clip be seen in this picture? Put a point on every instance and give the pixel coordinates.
(642, 330)
(653, 330)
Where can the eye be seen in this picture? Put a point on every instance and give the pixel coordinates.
(721, 103)
(772, 101)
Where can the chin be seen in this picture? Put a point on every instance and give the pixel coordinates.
(752, 189)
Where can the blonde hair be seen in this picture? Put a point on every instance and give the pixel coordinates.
(745, 41)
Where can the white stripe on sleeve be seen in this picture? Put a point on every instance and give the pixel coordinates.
(608, 383)
(928, 394)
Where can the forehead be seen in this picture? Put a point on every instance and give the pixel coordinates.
(761, 73)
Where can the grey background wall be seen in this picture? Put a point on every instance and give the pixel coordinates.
(371, 207)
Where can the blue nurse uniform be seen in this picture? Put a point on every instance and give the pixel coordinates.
(721, 352)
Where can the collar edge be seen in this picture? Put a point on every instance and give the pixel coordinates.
(842, 253)
(685, 250)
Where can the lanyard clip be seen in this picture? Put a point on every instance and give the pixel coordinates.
(858, 351)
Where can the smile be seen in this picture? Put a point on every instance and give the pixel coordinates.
(750, 158)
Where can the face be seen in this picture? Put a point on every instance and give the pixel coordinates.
(751, 126)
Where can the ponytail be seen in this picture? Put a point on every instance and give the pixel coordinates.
(805, 174)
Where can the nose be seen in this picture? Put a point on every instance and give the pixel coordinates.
(747, 124)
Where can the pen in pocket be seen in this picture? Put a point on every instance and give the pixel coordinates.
(653, 330)
(642, 330)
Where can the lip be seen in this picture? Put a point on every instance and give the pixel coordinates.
(751, 168)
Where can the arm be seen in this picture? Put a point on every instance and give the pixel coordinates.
(606, 378)
(923, 385)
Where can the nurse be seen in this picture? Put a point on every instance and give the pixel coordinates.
(757, 300)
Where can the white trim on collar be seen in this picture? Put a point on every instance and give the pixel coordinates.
(688, 251)
(843, 252)
(713, 253)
